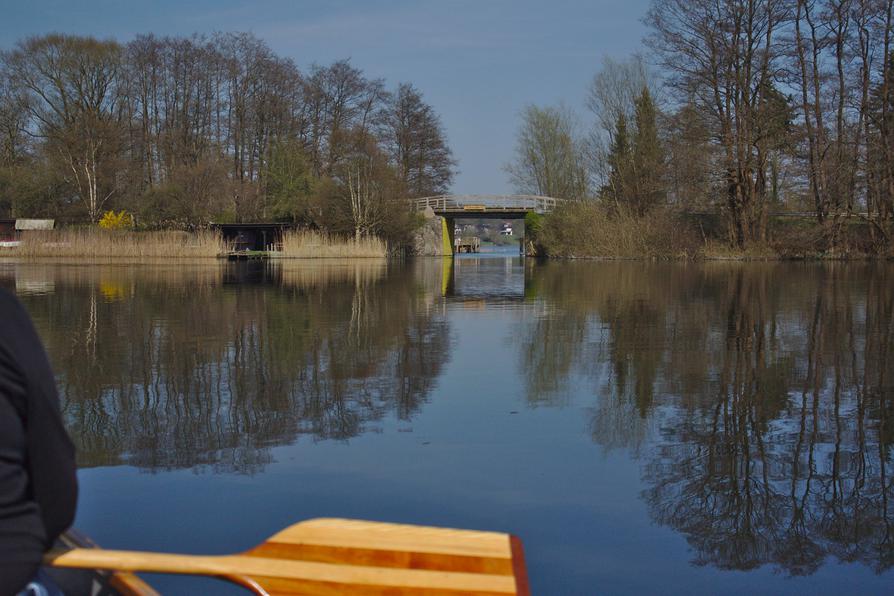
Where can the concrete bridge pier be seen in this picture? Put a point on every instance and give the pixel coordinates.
(435, 237)
(448, 234)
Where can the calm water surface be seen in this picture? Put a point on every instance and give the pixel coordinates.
(672, 428)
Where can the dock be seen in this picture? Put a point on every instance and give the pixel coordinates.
(246, 255)
(470, 244)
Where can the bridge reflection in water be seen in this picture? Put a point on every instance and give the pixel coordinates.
(491, 277)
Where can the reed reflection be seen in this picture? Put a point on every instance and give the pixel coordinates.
(759, 399)
(210, 367)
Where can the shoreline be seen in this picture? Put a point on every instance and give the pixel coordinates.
(740, 259)
(126, 259)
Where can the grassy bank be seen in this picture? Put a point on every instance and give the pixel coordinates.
(93, 244)
(592, 230)
(315, 245)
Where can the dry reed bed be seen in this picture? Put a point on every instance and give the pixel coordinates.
(103, 245)
(316, 245)
(588, 230)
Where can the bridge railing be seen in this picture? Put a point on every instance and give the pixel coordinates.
(440, 203)
(479, 202)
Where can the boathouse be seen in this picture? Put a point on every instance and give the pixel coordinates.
(7, 230)
(11, 230)
(253, 236)
(34, 225)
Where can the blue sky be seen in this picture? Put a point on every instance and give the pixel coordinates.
(477, 62)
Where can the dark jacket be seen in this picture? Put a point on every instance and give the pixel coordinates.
(38, 486)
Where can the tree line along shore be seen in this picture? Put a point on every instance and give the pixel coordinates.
(760, 129)
(182, 131)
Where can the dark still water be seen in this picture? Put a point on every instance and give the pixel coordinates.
(673, 428)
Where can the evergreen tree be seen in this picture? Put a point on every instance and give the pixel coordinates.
(648, 157)
(620, 163)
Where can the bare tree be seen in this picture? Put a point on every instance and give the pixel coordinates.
(73, 96)
(823, 37)
(365, 189)
(883, 119)
(612, 94)
(13, 122)
(724, 55)
(690, 158)
(418, 147)
(549, 155)
(340, 101)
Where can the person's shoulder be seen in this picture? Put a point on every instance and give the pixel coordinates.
(8, 299)
(11, 310)
(15, 326)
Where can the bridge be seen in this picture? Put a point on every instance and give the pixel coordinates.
(453, 207)
(487, 206)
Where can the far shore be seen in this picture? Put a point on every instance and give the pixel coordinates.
(653, 244)
(93, 244)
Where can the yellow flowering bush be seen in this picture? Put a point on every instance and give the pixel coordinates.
(116, 221)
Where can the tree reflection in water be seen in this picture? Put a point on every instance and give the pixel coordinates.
(758, 397)
(209, 367)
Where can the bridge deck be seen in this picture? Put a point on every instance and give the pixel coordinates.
(474, 205)
(474, 212)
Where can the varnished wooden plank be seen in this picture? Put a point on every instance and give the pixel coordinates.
(519, 567)
(280, 587)
(383, 558)
(256, 567)
(338, 556)
(126, 584)
(398, 537)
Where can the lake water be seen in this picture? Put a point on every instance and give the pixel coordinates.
(644, 428)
